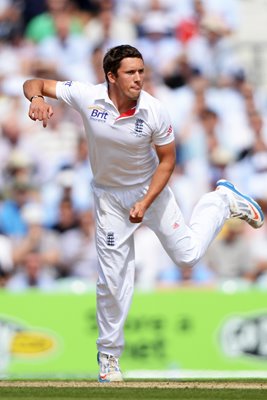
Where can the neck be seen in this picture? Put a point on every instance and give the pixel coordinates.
(122, 103)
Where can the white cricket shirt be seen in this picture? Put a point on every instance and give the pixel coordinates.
(120, 146)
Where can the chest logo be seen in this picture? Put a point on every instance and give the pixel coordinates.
(138, 128)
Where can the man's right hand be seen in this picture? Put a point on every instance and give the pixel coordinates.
(40, 110)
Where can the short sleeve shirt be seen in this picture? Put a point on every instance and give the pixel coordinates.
(121, 148)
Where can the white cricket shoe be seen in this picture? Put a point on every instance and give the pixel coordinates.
(241, 206)
(109, 368)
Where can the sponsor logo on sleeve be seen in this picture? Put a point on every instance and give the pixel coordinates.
(68, 83)
(169, 131)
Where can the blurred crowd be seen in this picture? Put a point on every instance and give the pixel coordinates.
(219, 118)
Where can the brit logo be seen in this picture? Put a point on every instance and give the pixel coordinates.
(138, 129)
(110, 239)
(98, 114)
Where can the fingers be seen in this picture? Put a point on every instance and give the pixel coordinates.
(41, 114)
(135, 220)
(50, 112)
(44, 121)
(136, 215)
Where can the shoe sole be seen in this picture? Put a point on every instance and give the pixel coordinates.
(231, 187)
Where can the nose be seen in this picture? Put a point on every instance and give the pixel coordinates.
(137, 77)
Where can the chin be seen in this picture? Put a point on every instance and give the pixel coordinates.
(134, 96)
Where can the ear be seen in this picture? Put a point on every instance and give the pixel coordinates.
(111, 77)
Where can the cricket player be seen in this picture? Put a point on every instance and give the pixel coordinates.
(132, 155)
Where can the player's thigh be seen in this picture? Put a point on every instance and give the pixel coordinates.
(113, 228)
(165, 218)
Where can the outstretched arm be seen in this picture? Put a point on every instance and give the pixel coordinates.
(166, 155)
(34, 91)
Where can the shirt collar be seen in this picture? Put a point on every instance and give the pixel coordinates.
(102, 94)
(141, 103)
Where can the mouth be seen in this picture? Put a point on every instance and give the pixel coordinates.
(136, 88)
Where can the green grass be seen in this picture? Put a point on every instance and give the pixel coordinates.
(128, 393)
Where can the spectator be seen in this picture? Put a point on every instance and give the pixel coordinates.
(43, 25)
(10, 18)
(73, 52)
(11, 220)
(159, 39)
(31, 274)
(107, 29)
(37, 239)
(230, 257)
(72, 181)
(67, 218)
(231, 104)
(250, 169)
(195, 10)
(154, 84)
(138, 10)
(190, 26)
(32, 8)
(81, 193)
(12, 140)
(78, 251)
(212, 52)
(178, 72)
(174, 277)
(58, 143)
(18, 168)
(184, 99)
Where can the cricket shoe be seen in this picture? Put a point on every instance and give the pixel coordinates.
(109, 368)
(241, 206)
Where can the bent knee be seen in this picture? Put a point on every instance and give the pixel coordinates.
(187, 264)
(188, 260)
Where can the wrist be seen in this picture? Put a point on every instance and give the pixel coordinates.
(36, 96)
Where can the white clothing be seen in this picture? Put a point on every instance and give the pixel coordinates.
(120, 148)
(119, 27)
(235, 134)
(6, 262)
(123, 163)
(115, 245)
(166, 49)
(72, 56)
(214, 61)
(79, 255)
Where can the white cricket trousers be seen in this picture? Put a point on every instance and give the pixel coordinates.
(185, 244)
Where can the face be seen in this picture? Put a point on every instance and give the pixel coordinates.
(129, 79)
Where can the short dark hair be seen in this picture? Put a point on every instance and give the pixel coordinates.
(115, 55)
